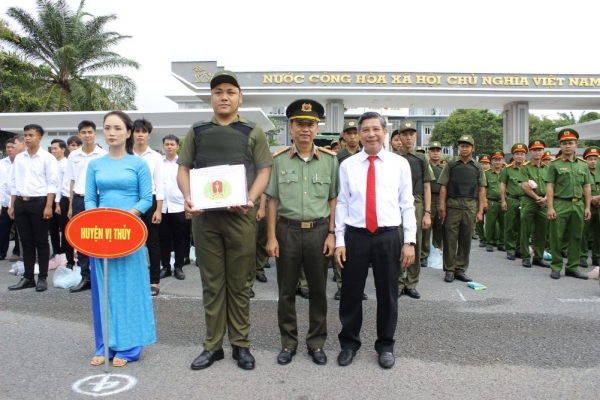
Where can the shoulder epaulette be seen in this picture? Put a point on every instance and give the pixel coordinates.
(508, 165)
(281, 151)
(556, 159)
(525, 163)
(581, 159)
(330, 152)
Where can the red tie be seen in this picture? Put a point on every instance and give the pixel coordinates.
(371, 209)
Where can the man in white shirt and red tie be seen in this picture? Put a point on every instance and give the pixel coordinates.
(375, 198)
(33, 181)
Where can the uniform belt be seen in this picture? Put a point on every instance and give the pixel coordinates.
(512, 196)
(77, 194)
(571, 199)
(379, 230)
(31, 198)
(304, 224)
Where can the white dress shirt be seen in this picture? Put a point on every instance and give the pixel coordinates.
(3, 183)
(5, 188)
(393, 186)
(173, 201)
(77, 167)
(33, 176)
(154, 161)
(65, 185)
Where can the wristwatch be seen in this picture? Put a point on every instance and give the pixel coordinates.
(413, 244)
(331, 232)
(428, 212)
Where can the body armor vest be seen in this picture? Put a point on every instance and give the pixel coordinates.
(224, 145)
(417, 171)
(435, 186)
(464, 179)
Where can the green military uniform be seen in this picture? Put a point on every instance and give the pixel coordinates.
(569, 178)
(462, 181)
(304, 189)
(436, 222)
(591, 228)
(421, 173)
(480, 226)
(534, 219)
(494, 217)
(225, 241)
(262, 257)
(514, 192)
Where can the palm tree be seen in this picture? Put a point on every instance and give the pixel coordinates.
(77, 49)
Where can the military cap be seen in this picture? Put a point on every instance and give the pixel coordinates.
(484, 158)
(591, 151)
(224, 77)
(406, 125)
(567, 134)
(547, 155)
(466, 139)
(435, 145)
(420, 149)
(536, 144)
(498, 154)
(305, 110)
(350, 124)
(443, 162)
(522, 147)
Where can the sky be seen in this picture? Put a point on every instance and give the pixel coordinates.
(509, 36)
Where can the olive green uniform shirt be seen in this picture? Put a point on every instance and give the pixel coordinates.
(461, 202)
(344, 153)
(428, 175)
(530, 171)
(510, 177)
(258, 147)
(303, 188)
(493, 184)
(595, 183)
(568, 177)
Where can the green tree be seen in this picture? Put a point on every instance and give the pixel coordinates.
(484, 126)
(76, 49)
(19, 83)
(271, 134)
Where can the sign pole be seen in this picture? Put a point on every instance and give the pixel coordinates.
(106, 340)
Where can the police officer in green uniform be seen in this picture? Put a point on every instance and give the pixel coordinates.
(591, 228)
(568, 189)
(534, 215)
(547, 158)
(225, 240)
(494, 217)
(435, 154)
(484, 160)
(422, 175)
(300, 225)
(510, 195)
(462, 200)
(262, 258)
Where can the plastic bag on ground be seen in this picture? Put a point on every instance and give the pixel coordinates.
(65, 278)
(435, 258)
(57, 261)
(593, 274)
(17, 268)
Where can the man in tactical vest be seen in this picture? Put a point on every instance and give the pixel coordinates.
(510, 195)
(462, 200)
(568, 189)
(350, 136)
(534, 216)
(422, 175)
(435, 154)
(494, 217)
(225, 239)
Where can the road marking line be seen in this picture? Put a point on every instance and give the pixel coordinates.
(102, 385)
(592, 300)
(461, 296)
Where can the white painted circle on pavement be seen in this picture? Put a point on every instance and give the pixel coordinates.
(104, 385)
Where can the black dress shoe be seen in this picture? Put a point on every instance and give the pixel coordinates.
(555, 274)
(165, 272)
(527, 263)
(338, 294)
(333, 278)
(261, 278)
(245, 360)
(83, 285)
(449, 278)
(489, 249)
(583, 263)
(285, 356)
(318, 356)
(463, 278)
(510, 256)
(303, 293)
(501, 248)
(251, 293)
(42, 285)
(345, 357)
(207, 358)
(481, 244)
(576, 274)
(412, 293)
(24, 283)
(267, 265)
(387, 360)
(365, 297)
(541, 263)
(179, 274)
(424, 263)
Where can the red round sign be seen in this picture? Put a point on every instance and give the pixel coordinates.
(106, 233)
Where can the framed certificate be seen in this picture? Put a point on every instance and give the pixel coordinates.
(219, 187)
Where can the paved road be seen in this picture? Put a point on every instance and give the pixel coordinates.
(527, 336)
